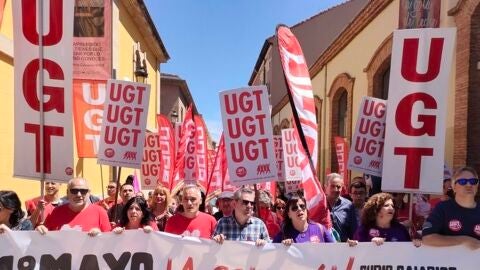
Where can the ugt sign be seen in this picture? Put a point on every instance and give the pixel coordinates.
(53, 132)
(417, 108)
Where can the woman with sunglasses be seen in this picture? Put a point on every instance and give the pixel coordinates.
(456, 222)
(11, 215)
(297, 228)
(135, 215)
(379, 223)
(279, 209)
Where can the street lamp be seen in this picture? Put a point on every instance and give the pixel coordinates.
(140, 72)
(174, 117)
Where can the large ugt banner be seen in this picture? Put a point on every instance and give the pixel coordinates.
(417, 107)
(248, 135)
(55, 96)
(123, 127)
(167, 148)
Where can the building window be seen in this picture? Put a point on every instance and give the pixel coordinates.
(342, 114)
(385, 84)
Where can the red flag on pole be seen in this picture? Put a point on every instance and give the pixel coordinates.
(300, 93)
(201, 151)
(2, 9)
(185, 163)
(167, 148)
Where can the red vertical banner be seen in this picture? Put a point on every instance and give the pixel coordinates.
(185, 168)
(88, 100)
(300, 93)
(92, 50)
(342, 157)
(201, 151)
(167, 148)
(2, 9)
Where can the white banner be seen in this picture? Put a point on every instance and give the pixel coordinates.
(293, 171)
(135, 249)
(417, 107)
(366, 152)
(278, 148)
(151, 162)
(248, 135)
(57, 90)
(124, 122)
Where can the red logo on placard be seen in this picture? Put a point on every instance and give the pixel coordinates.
(357, 160)
(109, 152)
(455, 225)
(477, 229)
(374, 233)
(69, 171)
(292, 172)
(147, 181)
(241, 171)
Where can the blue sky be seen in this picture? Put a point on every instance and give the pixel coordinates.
(214, 44)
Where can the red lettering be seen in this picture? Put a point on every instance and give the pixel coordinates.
(127, 94)
(123, 135)
(29, 85)
(403, 115)
(409, 60)
(250, 150)
(413, 163)
(29, 22)
(244, 102)
(48, 131)
(245, 126)
(124, 114)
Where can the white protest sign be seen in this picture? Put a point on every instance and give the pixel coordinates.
(417, 107)
(123, 126)
(151, 162)
(278, 147)
(293, 171)
(248, 135)
(56, 96)
(366, 152)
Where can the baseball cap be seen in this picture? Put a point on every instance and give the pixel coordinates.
(226, 195)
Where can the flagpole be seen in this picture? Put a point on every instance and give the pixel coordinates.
(116, 195)
(41, 109)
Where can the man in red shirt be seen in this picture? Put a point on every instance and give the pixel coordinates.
(36, 205)
(190, 221)
(78, 212)
(108, 202)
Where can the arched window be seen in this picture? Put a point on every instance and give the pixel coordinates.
(342, 114)
(385, 83)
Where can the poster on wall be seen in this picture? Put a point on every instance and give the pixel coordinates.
(419, 14)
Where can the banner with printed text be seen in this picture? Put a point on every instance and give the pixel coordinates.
(293, 171)
(152, 164)
(54, 124)
(201, 151)
(417, 107)
(366, 152)
(92, 30)
(123, 126)
(88, 101)
(2, 9)
(167, 148)
(248, 135)
(341, 149)
(278, 147)
(134, 249)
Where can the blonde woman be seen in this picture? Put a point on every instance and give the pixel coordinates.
(160, 206)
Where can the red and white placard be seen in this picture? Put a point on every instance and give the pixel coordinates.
(248, 135)
(293, 171)
(417, 107)
(57, 90)
(278, 147)
(124, 122)
(152, 164)
(366, 152)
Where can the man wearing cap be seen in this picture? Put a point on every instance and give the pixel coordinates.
(191, 221)
(456, 221)
(78, 212)
(242, 225)
(225, 205)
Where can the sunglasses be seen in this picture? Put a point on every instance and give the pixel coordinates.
(464, 181)
(280, 207)
(247, 202)
(75, 191)
(299, 206)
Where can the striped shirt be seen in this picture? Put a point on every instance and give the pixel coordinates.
(251, 231)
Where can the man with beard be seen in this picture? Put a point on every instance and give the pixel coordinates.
(190, 221)
(78, 212)
(46, 204)
(242, 225)
(342, 211)
(225, 205)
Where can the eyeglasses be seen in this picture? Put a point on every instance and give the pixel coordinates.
(464, 181)
(111, 187)
(298, 206)
(75, 191)
(358, 193)
(280, 207)
(247, 202)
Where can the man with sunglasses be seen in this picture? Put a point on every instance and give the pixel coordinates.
(78, 212)
(242, 225)
(456, 222)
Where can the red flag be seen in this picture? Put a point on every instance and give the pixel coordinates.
(186, 163)
(167, 148)
(2, 9)
(301, 99)
(201, 151)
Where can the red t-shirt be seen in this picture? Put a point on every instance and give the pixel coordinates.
(93, 216)
(202, 225)
(31, 206)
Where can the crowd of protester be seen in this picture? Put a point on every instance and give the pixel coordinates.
(358, 213)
